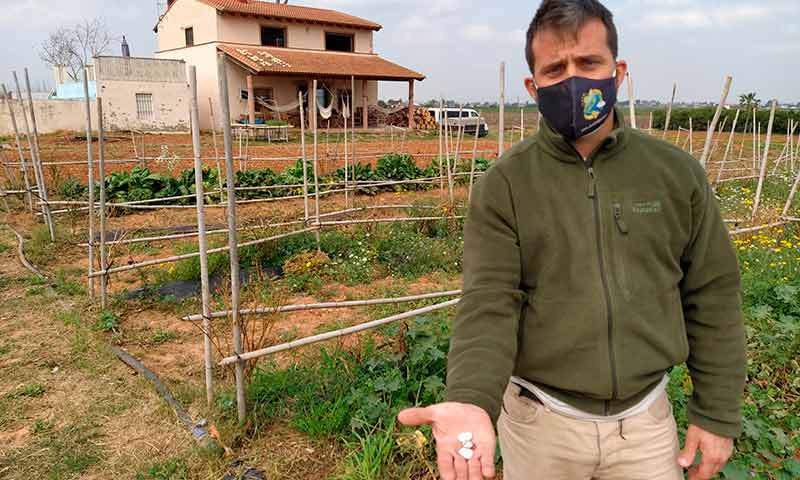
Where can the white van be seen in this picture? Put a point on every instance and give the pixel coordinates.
(457, 117)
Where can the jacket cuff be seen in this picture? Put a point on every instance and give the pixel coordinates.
(717, 427)
(480, 399)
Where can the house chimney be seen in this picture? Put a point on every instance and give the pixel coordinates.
(126, 50)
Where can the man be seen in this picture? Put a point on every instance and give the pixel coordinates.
(595, 259)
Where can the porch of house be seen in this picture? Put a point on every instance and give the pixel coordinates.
(270, 86)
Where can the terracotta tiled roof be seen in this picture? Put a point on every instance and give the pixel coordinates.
(290, 12)
(292, 61)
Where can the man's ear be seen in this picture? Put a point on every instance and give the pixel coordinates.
(622, 70)
(530, 86)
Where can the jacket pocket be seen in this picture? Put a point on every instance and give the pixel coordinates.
(621, 230)
(646, 240)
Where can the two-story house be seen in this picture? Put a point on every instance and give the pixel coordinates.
(274, 51)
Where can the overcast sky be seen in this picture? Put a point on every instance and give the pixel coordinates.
(458, 44)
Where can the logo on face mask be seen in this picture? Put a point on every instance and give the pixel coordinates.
(593, 104)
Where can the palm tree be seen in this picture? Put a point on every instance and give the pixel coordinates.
(749, 100)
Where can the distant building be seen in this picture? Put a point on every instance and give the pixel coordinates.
(143, 93)
(273, 52)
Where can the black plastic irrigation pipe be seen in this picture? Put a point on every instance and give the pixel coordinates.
(199, 432)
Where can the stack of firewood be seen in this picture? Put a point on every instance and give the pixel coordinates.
(422, 118)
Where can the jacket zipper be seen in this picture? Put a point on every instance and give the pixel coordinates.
(592, 193)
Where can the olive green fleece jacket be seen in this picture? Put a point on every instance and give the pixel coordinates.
(592, 278)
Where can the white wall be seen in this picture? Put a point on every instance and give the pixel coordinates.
(187, 13)
(247, 30)
(204, 57)
(51, 116)
(170, 105)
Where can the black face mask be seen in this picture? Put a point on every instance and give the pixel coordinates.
(577, 106)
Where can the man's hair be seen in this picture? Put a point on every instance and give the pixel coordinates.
(568, 16)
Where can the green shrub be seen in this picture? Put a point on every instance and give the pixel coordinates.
(349, 394)
(107, 321)
(72, 189)
(702, 116)
(396, 166)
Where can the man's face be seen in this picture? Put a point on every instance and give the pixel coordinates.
(559, 56)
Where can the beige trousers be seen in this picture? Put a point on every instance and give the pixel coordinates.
(538, 443)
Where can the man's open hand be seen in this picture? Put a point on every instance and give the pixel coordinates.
(714, 450)
(448, 420)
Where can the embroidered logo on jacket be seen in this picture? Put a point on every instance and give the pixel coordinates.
(647, 206)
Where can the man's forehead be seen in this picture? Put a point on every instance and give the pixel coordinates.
(551, 44)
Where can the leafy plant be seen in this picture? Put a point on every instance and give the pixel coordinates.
(395, 166)
(72, 189)
(107, 321)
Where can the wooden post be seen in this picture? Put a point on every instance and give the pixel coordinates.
(718, 137)
(691, 137)
(727, 147)
(792, 194)
(233, 246)
(713, 127)
(38, 160)
(365, 102)
(101, 170)
(447, 155)
(32, 149)
(441, 134)
(650, 124)
(758, 146)
(502, 125)
(22, 162)
(305, 159)
(459, 138)
(764, 159)
(202, 240)
(251, 101)
(669, 109)
(411, 123)
(790, 145)
(90, 175)
(353, 119)
(311, 95)
(521, 124)
(346, 168)
(316, 173)
(744, 134)
(216, 150)
(755, 132)
(474, 156)
(631, 101)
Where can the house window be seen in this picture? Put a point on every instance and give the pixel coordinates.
(189, 33)
(338, 42)
(144, 106)
(273, 37)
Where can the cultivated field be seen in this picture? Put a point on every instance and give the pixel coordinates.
(69, 408)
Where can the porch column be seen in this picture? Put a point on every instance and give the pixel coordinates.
(411, 122)
(251, 101)
(365, 103)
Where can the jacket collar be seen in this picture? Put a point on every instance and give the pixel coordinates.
(560, 148)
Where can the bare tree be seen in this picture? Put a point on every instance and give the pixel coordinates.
(74, 47)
